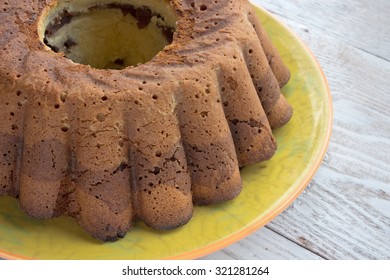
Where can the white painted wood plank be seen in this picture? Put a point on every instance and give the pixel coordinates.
(264, 244)
(360, 23)
(339, 219)
(346, 212)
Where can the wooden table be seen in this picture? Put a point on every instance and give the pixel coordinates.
(345, 211)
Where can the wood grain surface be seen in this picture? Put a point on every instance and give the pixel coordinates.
(344, 213)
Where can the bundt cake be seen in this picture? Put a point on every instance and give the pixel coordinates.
(121, 110)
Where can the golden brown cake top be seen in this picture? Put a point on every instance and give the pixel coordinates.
(145, 142)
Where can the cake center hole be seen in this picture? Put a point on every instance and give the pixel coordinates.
(108, 35)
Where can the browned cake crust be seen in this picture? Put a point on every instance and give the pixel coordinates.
(146, 142)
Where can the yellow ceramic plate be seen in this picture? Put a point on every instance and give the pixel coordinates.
(268, 187)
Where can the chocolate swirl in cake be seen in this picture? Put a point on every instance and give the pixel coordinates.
(142, 15)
